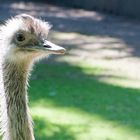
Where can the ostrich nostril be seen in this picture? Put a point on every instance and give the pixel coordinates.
(47, 46)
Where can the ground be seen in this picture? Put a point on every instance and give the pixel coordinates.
(92, 92)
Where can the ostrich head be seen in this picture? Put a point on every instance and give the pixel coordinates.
(25, 39)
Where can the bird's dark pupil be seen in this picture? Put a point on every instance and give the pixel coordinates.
(20, 37)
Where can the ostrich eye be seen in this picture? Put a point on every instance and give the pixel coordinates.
(20, 37)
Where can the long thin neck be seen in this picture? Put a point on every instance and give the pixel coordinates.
(19, 123)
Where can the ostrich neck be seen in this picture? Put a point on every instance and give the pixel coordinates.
(19, 123)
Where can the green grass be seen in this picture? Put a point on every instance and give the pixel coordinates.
(69, 102)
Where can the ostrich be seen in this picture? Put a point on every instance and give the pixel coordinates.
(23, 40)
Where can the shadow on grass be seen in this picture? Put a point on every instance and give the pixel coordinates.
(54, 132)
(71, 87)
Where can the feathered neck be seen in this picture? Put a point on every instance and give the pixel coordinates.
(18, 121)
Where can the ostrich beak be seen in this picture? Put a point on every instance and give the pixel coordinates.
(53, 48)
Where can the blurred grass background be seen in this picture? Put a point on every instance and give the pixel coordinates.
(69, 102)
(92, 92)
